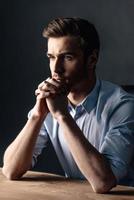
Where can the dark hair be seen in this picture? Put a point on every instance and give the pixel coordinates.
(80, 28)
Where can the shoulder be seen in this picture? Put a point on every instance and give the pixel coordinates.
(112, 98)
(113, 92)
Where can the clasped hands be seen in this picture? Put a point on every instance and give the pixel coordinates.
(52, 96)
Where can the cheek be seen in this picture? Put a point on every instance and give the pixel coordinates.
(76, 68)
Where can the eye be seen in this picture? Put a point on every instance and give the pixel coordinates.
(68, 57)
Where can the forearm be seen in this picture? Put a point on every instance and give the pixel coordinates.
(91, 163)
(18, 156)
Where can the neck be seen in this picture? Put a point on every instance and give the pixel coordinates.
(81, 90)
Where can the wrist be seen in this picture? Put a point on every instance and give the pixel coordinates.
(35, 115)
(62, 117)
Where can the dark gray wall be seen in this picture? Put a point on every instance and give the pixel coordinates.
(22, 52)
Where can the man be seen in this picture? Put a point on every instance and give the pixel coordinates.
(89, 121)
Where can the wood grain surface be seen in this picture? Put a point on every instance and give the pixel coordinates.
(44, 186)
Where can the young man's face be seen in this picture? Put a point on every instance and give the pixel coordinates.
(66, 60)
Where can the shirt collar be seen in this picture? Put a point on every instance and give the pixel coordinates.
(90, 100)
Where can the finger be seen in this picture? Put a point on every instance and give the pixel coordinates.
(48, 86)
(38, 91)
(53, 86)
(42, 83)
(54, 82)
(43, 95)
(53, 89)
(62, 84)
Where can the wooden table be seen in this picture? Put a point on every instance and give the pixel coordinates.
(43, 186)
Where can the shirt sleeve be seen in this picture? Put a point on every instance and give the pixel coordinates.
(41, 142)
(118, 146)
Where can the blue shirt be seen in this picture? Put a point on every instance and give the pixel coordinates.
(106, 118)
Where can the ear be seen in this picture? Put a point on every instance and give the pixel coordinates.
(93, 58)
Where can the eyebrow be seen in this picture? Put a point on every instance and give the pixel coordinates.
(60, 54)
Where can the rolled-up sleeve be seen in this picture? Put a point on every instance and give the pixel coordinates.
(118, 145)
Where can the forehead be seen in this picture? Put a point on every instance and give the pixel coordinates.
(60, 44)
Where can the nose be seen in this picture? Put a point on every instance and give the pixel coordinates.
(58, 66)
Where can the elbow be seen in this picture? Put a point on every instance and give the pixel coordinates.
(10, 174)
(101, 189)
(104, 186)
